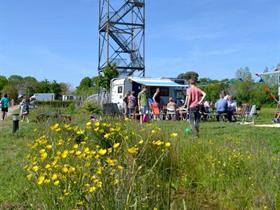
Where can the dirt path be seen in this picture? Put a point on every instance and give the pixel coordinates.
(11, 111)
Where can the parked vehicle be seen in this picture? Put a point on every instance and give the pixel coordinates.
(169, 87)
(43, 97)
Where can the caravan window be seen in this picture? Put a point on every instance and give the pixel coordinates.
(119, 89)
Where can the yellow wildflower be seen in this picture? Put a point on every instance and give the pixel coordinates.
(29, 176)
(92, 189)
(120, 168)
(107, 136)
(56, 183)
(99, 170)
(97, 124)
(79, 132)
(35, 168)
(58, 129)
(158, 142)
(47, 166)
(44, 156)
(116, 145)
(66, 126)
(99, 184)
(60, 142)
(111, 162)
(40, 180)
(65, 154)
(55, 126)
(78, 153)
(141, 142)
(133, 150)
(102, 152)
(167, 144)
(65, 169)
(47, 181)
(49, 147)
(173, 135)
(76, 146)
(42, 151)
(54, 177)
(72, 169)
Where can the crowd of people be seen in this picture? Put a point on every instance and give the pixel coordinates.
(193, 108)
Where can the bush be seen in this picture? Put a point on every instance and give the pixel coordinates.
(54, 104)
(92, 107)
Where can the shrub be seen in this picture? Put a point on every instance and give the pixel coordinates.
(54, 104)
(92, 107)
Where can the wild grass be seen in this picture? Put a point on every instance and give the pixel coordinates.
(231, 166)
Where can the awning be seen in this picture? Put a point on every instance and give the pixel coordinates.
(157, 82)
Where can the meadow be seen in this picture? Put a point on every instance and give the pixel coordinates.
(118, 164)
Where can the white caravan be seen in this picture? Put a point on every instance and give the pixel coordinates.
(175, 88)
(43, 96)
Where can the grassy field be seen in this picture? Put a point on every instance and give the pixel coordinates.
(231, 166)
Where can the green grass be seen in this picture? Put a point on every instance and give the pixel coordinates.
(230, 166)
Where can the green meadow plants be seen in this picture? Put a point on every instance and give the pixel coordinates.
(100, 165)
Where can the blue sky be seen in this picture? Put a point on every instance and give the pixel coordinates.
(58, 39)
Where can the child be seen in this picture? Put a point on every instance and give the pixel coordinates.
(24, 107)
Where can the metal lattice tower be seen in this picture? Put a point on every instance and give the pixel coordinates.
(121, 36)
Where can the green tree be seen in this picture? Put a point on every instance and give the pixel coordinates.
(65, 88)
(213, 88)
(243, 74)
(189, 75)
(28, 86)
(3, 82)
(104, 80)
(43, 87)
(85, 83)
(55, 88)
(11, 91)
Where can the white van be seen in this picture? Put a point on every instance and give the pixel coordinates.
(169, 87)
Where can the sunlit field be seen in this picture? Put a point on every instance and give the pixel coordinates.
(118, 164)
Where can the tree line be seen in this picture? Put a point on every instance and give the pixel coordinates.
(17, 85)
(243, 87)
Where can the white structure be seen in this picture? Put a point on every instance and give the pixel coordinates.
(174, 88)
(43, 96)
(70, 98)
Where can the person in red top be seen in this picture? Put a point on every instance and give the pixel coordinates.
(194, 98)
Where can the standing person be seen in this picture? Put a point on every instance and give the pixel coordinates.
(24, 107)
(4, 106)
(221, 106)
(125, 103)
(155, 105)
(194, 98)
(232, 107)
(143, 104)
(131, 104)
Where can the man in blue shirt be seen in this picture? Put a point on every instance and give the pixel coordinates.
(4, 106)
(221, 106)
